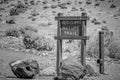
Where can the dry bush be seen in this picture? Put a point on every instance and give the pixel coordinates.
(18, 8)
(114, 50)
(38, 43)
(13, 12)
(11, 21)
(93, 47)
(14, 32)
(44, 44)
(4, 1)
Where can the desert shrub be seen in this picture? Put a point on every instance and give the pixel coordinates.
(13, 11)
(97, 4)
(14, 32)
(3, 1)
(95, 21)
(38, 43)
(93, 47)
(18, 8)
(43, 44)
(28, 42)
(114, 50)
(32, 2)
(11, 21)
(74, 9)
(112, 6)
(62, 6)
(89, 2)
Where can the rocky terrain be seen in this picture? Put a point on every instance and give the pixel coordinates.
(28, 27)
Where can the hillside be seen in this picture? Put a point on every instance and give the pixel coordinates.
(22, 21)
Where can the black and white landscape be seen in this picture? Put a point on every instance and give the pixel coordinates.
(28, 27)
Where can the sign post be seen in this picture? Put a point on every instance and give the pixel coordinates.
(101, 52)
(71, 27)
(100, 61)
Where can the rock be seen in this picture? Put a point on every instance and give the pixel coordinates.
(72, 69)
(25, 68)
(90, 72)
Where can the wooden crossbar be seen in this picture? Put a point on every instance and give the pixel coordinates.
(71, 37)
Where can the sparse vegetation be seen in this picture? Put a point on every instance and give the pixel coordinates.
(38, 38)
(18, 8)
(114, 50)
(113, 6)
(11, 21)
(89, 2)
(14, 32)
(13, 12)
(38, 43)
(95, 21)
(93, 48)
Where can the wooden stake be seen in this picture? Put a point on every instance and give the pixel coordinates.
(101, 52)
(83, 42)
(59, 48)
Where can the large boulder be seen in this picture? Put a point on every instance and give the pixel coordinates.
(90, 71)
(25, 68)
(72, 69)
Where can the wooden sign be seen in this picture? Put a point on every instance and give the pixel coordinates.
(71, 28)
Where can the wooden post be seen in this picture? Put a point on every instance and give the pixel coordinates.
(59, 48)
(59, 55)
(101, 52)
(83, 41)
(83, 53)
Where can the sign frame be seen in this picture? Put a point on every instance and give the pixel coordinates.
(83, 18)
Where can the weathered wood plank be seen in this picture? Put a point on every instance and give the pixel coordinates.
(71, 18)
(72, 37)
(101, 51)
